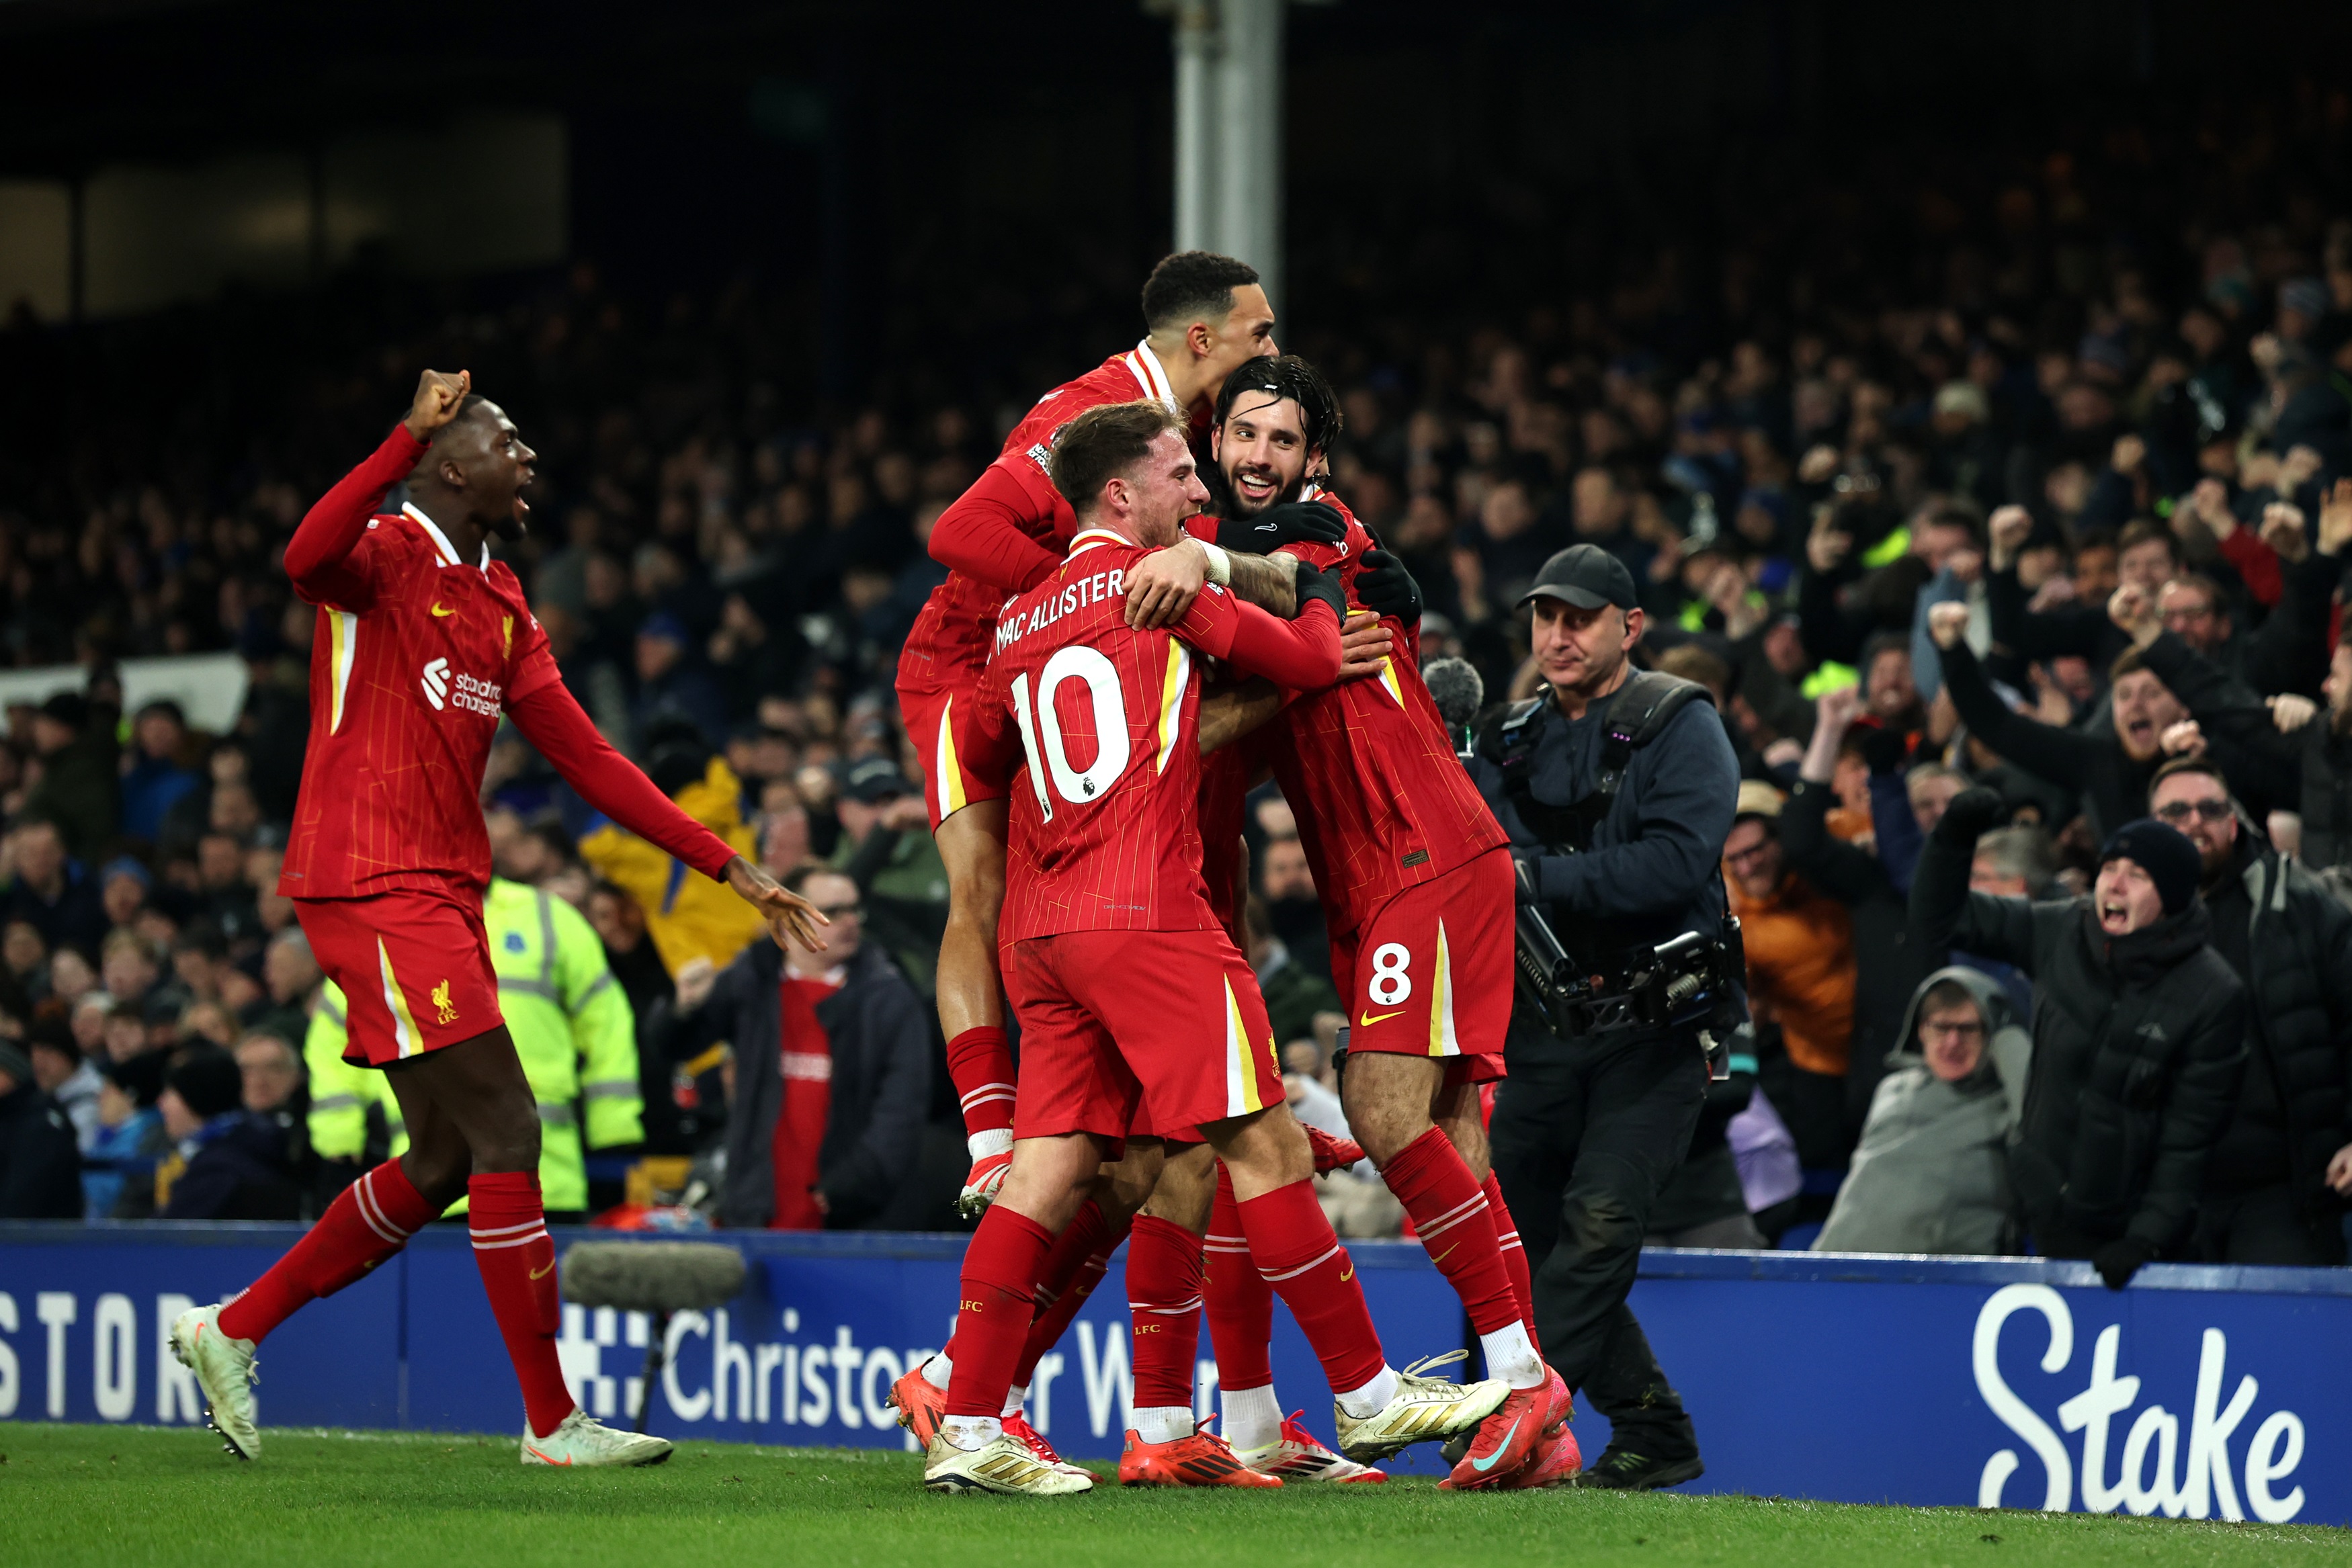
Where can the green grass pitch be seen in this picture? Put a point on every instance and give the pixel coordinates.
(120, 1496)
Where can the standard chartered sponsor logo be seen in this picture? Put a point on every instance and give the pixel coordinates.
(2152, 1469)
(475, 696)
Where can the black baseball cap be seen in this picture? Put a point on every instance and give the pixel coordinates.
(874, 780)
(1585, 576)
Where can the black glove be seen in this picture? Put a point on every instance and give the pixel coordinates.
(1385, 588)
(2117, 1261)
(1973, 812)
(1291, 523)
(1527, 873)
(1324, 586)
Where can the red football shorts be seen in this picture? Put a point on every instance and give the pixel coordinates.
(1132, 1030)
(414, 968)
(938, 723)
(1432, 970)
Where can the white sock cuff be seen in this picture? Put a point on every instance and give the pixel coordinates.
(1372, 1397)
(939, 1371)
(1511, 1356)
(1163, 1423)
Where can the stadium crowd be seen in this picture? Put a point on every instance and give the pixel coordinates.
(2018, 584)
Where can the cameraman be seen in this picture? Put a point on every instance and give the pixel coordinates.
(1591, 1124)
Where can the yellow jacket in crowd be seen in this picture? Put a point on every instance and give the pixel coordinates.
(687, 914)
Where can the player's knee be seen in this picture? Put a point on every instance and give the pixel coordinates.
(1382, 1122)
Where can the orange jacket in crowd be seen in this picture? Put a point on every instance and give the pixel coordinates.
(1801, 961)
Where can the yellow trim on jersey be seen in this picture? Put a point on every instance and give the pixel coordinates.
(1087, 538)
(1240, 1083)
(951, 776)
(1172, 698)
(1388, 679)
(1442, 1038)
(405, 1032)
(342, 645)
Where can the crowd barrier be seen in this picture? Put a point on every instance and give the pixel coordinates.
(2200, 1392)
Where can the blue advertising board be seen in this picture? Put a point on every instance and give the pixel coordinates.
(2023, 1383)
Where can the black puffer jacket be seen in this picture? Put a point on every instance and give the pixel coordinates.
(2138, 1044)
(2294, 951)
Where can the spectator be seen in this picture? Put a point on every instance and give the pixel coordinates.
(2111, 771)
(1286, 885)
(833, 1077)
(290, 973)
(118, 1181)
(2285, 752)
(1801, 976)
(1293, 995)
(886, 849)
(75, 740)
(226, 1163)
(40, 1163)
(1931, 1173)
(127, 969)
(155, 776)
(66, 1076)
(1887, 965)
(272, 1076)
(670, 685)
(2275, 1184)
(122, 886)
(50, 892)
(2139, 1036)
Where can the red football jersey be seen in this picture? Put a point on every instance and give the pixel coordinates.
(949, 645)
(1369, 772)
(1106, 836)
(416, 653)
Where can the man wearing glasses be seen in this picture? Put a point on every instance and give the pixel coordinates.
(832, 1070)
(2275, 1184)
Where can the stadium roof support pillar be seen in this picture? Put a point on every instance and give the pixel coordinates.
(1229, 82)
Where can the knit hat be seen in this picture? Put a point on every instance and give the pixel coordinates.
(208, 1079)
(2165, 853)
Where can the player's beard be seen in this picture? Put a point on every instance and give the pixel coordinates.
(1229, 502)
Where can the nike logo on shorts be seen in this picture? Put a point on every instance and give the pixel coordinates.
(1368, 1019)
(438, 610)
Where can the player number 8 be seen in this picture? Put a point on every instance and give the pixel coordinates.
(1391, 984)
(1079, 663)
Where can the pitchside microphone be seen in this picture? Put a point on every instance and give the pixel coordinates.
(657, 1278)
(1459, 694)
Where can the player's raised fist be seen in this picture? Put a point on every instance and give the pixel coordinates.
(439, 397)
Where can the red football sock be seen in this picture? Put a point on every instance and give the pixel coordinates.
(1449, 1217)
(980, 1063)
(1236, 1300)
(517, 1258)
(1303, 1260)
(1163, 1292)
(368, 1222)
(994, 1308)
(1515, 1256)
(1073, 1268)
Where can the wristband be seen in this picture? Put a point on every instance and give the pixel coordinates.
(1220, 564)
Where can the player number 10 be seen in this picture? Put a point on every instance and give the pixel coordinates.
(1041, 727)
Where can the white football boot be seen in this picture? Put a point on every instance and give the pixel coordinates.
(582, 1441)
(226, 1371)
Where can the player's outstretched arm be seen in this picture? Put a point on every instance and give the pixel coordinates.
(551, 720)
(1301, 654)
(990, 533)
(332, 527)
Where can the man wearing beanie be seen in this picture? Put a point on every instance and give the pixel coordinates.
(2138, 1035)
(235, 1164)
